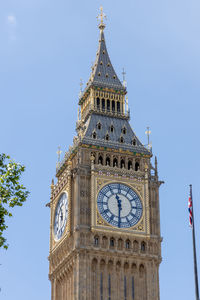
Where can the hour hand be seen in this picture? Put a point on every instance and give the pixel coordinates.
(119, 202)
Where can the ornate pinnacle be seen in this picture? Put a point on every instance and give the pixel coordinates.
(59, 153)
(100, 17)
(124, 79)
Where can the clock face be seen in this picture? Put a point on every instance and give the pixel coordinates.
(61, 215)
(119, 205)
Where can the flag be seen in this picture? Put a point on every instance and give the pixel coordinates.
(190, 211)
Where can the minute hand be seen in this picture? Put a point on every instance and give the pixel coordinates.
(119, 209)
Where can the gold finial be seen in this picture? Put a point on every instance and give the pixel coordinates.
(100, 17)
(59, 153)
(52, 184)
(148, 132)
(124, 79)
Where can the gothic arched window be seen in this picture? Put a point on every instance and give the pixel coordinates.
(112, 242)
(96, 240)
(128, 244)
(94, 135)
(122, 163)
(100, 160)
(118, 106)
(141, 271)
(143, 246)
(113, 106)
(99, 125)
(111, 128)
(115, 162)
(124, 130)
(103, 104)
(107, 137)
(108, 105)
(130, 166)
(121, 139)
(98, 103)
(134, 142)
(137, 166)
(107, 161)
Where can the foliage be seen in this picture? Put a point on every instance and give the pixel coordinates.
(12, 193)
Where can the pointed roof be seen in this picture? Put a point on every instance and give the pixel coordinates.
(103, 74)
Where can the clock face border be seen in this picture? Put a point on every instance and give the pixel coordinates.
(65, 224)
(119, 205)
(139, 186)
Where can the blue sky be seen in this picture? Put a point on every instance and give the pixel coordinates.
(46, 47)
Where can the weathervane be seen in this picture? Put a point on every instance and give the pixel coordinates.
(100, 17)
(59, 153)
(148, 132)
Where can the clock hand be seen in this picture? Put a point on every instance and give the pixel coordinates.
(61, 214)
(119, 208)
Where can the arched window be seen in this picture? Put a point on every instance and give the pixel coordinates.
(98, 104)
(107, 161)
(141, 271)
(100, 160)
(112, 242)
(118, 106)
(137, 166)
(130, 166)
(143, 246)
(111, 128)
(113, 106)
(96, 241)
(118, 265)
(126, 266)
(115, 162)
(128, 244)
(124, 130)
(108, 105)
(121, 139)
(110, 265)
(122, 163)
(102, 264)
(99, 125)
(133, 267)
(134, 142)
(94, 135)
(103, 104)
(107, 137)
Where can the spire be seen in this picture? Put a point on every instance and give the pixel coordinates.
(103, 74)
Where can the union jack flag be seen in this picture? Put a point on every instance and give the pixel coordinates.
(190, 211)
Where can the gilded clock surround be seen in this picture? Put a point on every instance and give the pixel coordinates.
(64, 187)
(99, 221)
(94, 260)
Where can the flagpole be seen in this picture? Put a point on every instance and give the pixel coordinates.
(194, 250)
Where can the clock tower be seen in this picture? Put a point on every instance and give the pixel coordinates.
(105, 241)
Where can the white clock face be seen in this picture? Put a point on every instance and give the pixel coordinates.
(119, 205)
(61, 215)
